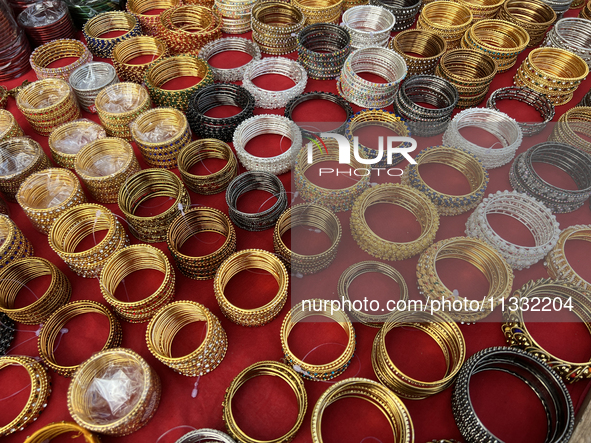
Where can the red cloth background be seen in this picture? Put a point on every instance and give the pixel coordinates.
(265, 407)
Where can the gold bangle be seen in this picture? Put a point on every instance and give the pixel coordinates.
(9, 127)
(320, 11)
(482, 9)
(534, 16)
(128, 50)
(448, 19)
(105, 23)
(573, 122)
(55, 50)
(149, 22)
(420, 49)
(68, 139)
(15, 244)
(52, 430)
(556, 262)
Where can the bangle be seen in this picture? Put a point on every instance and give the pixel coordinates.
(193, 222)
(52, 430)
(159, 135)
(442, 329)
(325, 11)
(237, 44)
(251, 259)
(459, 159)
(7, 329)
(105, 23)
(46, 194)
(211, 97)
(104, 165)
(9, 127)
(448, 19)
(497, 123)
(118, 105)
(55, 50)
(267, 124)
(47, 104)
(573, 161)
(140, 396)
(265, 368)
(200, 150)
(165, 326)
(478, 253)
(556, 262)
(337, 200)
(40, 391)
(586, 12)
(323, 49)
(534, 16)
(532, 213)
(57, 321)
(88, 80)
(128, 51)
(126, 261)
(420, 89)
(572, 122)
(47, 21)
(404, 11)
(482, 10)
(373, 392)
(74, 225)
(315, 216)
(368, 25)
(149, 22)
(68, 139)
(3, 97)
(15, 277)
(572, 34)
(547, 386)
(319, 95)
(420, 49)
(236, 16)
(186, 29)
(275, 26)
(317, 372)
(204, 435)
(19, 158)
(383, 62)
(15, 244)
(405, 196)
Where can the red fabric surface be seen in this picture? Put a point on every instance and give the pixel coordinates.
(265, 407)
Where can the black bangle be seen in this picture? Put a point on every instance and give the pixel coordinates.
(212, 96)
(404, 11)
(319, 95)
(323, 49)
(6, 333)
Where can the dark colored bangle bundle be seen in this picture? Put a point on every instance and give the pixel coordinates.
(6, 333)
(323, 49)
(404, 11)
(319, 95)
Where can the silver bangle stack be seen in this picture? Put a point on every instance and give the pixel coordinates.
(404, 11)
(380, 61)
(572, 34)
(497, 123)
(368, 25)
(275, 65)
(206, 435)
(267, 124)
(236, 15)
(430, 89)
(533, 214)
(573, 161)
(89, 79)
(238, 44)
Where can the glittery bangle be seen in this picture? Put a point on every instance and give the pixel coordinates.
(108, 22)
(125, 53)
(222, 45)
(149, 22)
(275, 26)
(323, 49)
(45, 55)
(9, 127)
(52, 430)
(13, 237)
(556, 262)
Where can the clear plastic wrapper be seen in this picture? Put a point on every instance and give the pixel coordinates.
(107, 164)
(15, 50)
(75, 138)
(119, 102)
(49, 94)
(158, 132)
(43, 13)
(11, 163)
(55, 189)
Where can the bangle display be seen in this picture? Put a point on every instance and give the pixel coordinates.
(421, 50)
(88, 80)
(318, 95)
(323, 49)
(224, 44)
(9, 127)
(42, 58)
(31, 159)
(573, 122)
(368, 25)
(535, 16)
(13, 237)
(68, 139)
(556, 262)
(126, 52)
(105, 23)
(52, 430)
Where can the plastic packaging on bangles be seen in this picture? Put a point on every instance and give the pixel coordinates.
(14, 56)
(46, 21)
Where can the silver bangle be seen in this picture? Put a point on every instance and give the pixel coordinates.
(89, 79)
(239, 44)
(572, 34)
(368, 25)
(206, 435)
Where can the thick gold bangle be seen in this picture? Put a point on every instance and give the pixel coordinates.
(251, 259)
(15, 244)
(46, 194)
(107, 22)
(40, 391)
(448, 19)
(9, 127)
(421, 50)
(573, 122)
(268, 368)
(104, 165)
(126, 261)
(52, 430)
(166, 324)
(55, 50)
(56, 322)
(557, 264)
(534, 16)
(275, 26)
(320, 11)
(149, 22)
(68, 139)
(128, 50)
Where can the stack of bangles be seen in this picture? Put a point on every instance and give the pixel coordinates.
(222, 45)
(432, 90)
(275, 26)
(471, 72)
(89, 79)
(556, 262)
(323, 49)
(31, 159)
(126, 53)
(368, 25)
(193, 222)
(572, 34)
(44, 22)
(106, 23)
(570, 124)
(586, 12)
(534, 16)
(319, 95)
(186, 29)
(527, 210)
(325, 11)
(421, 50)
(404, 11)
(483, 10)
(52, 430)
(149, 22)
(9, 127)
(50, 52)
(15, 245)
(448, 19)
(206, 435)
(236, 15)
(573, 161)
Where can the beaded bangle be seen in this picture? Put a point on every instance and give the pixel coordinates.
(323, 49)
(275, 26)
(52, 430)
(325, 11)
(68, 139)
(88, 80)
(556, 262)
(126, 52)
(368, 25)
(573, 121)
(7, 329)
(205, 435)
(535, 16)
(19, 158)
(9, 127)
(236, 15)
(420, 49)
(107, 22)
(15, 244)
(319, 95)
(449, 20)
(572, 34)
(45, 55)
(149, 22)
(404, 11)
(222, 45)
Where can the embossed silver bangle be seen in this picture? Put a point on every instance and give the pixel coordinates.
(206, 435)
(89, 79)
(230, 44)
(267, 124)
(404, 11)
(368, 25)
(280, 66)
(497, 123)
(572, 34)
(533, 214)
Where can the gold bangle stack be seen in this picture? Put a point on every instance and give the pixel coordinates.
(459, 159)
(410, 199)
(119, 104)
(64, 48)
(128, 50)
(126, 261)
(557, 264)
(265, 368)
(546, 291)
(97, 417)
(471, 72)
(67, 140)
(448, 19)
(76, 224)
(52, 430)
(200, 150)
(586, 11)
(573, 122)
(15, 277)
(103, 24)
(13, 173)
(14, 245)
(420, 49)
(160, 134)
(147, 184)
(315, 216)
(554, 72)
(9, 127)
(322, 372)
(40, 391)
(57, 321)
(534, 16)
(251, 259)
(373, 392)
(442, 329)
(47, 104)
(149, 22)
(482, 9)
(193, 222)
(479, 254)
(166, 324)
(275, 26)
(323, 11)
(104, 165)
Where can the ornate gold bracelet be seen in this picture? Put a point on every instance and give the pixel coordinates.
(448, 19)
(55, 50)
(420, 48)
(107, 22)
(534, 16)
(149, 22)
(52, 430)
(9, 127)
(141, 46)
(573, 122)
(557, 264)
(68, 139)
(15, 244)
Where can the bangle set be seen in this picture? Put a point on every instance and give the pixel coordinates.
(88, 80)
(205, 435)
(535, 16)
(105, 23)
(52, 430)
(323, 49)
(42, 58)
(15, 245)
(482, 10)
(368, 25)
(9, 127)
(68, 139)
(570, 124)
(149, 22)
(275, 26)
(125, 52)
(325, 11)
(556, 262)
(448, 19)
(186, 29)
(572, 34)
(224, 44)
(404, 11)
(319, 95)
(420, 49)
(44, 22)
(236, 15)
